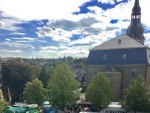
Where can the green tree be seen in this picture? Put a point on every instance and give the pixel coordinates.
(50, 72)
(15, 75)
(136, 96)
(62, 86)
(44, 76)
(36, 71)
(99, 91)
(34, 93)
(3, 102)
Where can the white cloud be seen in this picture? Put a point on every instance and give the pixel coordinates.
(57, 34)
(107, 1)
(8, 24)
(47, 48)
(12, 51)
(63, 47)
(17, 33)
(25, 38)
(39, 9)
(119, 0)
(6, 45)
(94, 29)
(7, 39)
(28, 39)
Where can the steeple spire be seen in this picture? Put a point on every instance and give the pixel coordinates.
(135, 29)
(136, 10)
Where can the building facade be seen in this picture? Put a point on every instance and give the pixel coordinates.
(122, 58)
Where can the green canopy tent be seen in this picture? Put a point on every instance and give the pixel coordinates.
(9, 110)
(18, 109)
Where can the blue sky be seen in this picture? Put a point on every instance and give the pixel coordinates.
(54, 28)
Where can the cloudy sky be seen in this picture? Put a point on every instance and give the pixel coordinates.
(54, 28)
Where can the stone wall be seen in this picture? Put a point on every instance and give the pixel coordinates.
(119, 80)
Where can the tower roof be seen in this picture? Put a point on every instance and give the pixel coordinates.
(135, 29)
(136, 10)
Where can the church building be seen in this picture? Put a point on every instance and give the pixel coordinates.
(122, 58)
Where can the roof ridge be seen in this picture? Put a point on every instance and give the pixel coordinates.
(126, 42)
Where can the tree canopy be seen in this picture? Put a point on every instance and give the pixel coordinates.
(34, 93)
(44, 76)
(99, 91)
(3, 102)
(137, 96)
(15, 75)
(62, 86)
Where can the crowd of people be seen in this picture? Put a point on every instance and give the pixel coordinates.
(81, 108)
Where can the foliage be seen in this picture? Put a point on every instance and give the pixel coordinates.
(136, 96)
(69, 58)
(83, 89)
(15, 75)
(79, 65)
(79, 60)
(3, 102)
(43, 76)
(62, 86)
(99, 92)
(36, 71)
(50, 72)
(34, 93)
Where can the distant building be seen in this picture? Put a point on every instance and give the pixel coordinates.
(122, 58)
(80, 75)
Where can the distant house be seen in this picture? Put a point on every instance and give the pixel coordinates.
(80, 75)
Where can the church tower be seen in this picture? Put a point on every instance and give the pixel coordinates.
(135, 29)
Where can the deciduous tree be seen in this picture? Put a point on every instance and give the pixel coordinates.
(62, 86)
(137, 96)
(15, 75)
(99, 91)
(34, 93)
(3, 102)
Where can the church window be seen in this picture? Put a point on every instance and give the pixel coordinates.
(124, 56)
(95, 71)
(104, 57)
(134, 73)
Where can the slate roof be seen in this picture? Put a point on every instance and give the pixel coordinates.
(115, 57)
(121, 42)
